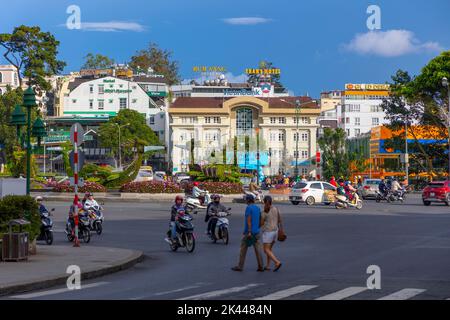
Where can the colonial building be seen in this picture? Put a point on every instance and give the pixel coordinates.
(8, 77)
(213, 123)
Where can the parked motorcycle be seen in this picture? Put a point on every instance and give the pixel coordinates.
(194, 203)
(96, 219)
(343, 203)
(84, 233)
(221, 230)
(46, 233)
(185, 233)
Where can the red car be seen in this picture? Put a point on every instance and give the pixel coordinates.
(437, 191)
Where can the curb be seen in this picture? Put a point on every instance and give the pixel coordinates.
(136, 257)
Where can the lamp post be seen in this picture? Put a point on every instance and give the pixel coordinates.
(297, 112)
(120, 153)
(257, 155)
(445, 83)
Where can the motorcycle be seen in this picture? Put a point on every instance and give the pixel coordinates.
(96, 219)
(221, 230)
(391, 196)
(46, 233)
(343, 203)
(257, 195)
(195, 203)
(84, 232)
(185, 233)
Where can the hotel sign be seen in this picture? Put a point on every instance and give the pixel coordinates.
(363, 86)
(263, 71)
(209, 69)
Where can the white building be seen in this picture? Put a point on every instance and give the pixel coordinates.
(360, 110)
(8, 77)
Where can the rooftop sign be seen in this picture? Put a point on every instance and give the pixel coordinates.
(364, 86)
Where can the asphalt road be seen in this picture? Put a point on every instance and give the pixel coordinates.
(326, 255)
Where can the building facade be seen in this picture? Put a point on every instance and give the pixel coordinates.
(360, 109)
(213, 123)
(8, 77)
(330, 103)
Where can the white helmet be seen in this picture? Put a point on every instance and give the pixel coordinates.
(39, 198)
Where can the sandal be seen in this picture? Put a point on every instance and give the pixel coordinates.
(267, 269)
(236, 269)
(277, 267)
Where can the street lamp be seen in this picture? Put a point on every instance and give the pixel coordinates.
(446, 84)
(120, 153)
(297, 120)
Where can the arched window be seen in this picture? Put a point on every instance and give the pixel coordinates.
(244, 121)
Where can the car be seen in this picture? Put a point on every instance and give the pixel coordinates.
(145, 173)
(312, 192)
(180, 177)
(436, 191)
(159, 176)
(369, 188)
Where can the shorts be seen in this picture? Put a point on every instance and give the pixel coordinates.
(269, 236)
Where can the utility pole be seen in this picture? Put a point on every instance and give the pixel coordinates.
(297, 112)
(446, 84)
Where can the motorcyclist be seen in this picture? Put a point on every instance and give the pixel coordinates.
(349, 190)
(213, 208)
(333, 181)
(253, 188)
(199, 193)
(178, 206)
(42, 208)
(382, 187)
(396, 188)
(90, 203)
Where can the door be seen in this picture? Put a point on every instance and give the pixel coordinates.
(317, 191)
(329, 192)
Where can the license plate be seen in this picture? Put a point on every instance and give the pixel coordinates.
(432, 194)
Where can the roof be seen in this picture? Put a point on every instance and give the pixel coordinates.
(149, 79)
(77, 81)
(216, 102)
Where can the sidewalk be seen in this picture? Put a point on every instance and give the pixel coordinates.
(48, 267)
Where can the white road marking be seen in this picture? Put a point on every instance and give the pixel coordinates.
(197, 285)
(403, 294)
(56, 291)
(286, 293)
(342, 294)
(218, 293)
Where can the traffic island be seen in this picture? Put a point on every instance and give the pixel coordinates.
(48, 268)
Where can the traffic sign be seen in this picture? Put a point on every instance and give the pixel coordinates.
(80, 160)
(80, 134)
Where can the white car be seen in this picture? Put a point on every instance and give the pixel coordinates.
(312, 192)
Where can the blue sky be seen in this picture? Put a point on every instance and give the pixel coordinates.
(319, 45)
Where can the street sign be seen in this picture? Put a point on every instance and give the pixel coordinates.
(80, 181)
(80, 133)
(153, 148)
(80, 160)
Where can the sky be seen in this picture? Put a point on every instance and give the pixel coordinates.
(318, 45)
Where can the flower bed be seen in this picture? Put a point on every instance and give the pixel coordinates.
(151, 187)
(88, 187)
(218, 187)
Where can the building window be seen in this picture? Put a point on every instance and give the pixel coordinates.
(296, 134)
(357, 132)
(281, 136)
(101, 89)
(74, 100)
(296, 154)
(304, 154)
(134, 100)
(91, 104)
(123, 103)
(190, 120)
(120, 85)
(207, 119)
(110, 100)
(357, 121)
(216, 119)
(134, 87)
(347, 120)
(244, 121)
(101, 105)
(282, 120)
(348, 132)
(304, 171)
(91, 88)
(273, 136)
(152, 120)
(273, 120)
(375, 121)
(376, 109)
(305, 120)
(304, 137)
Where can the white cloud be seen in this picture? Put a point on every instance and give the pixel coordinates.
(112, 26)
(390, 43)
(246, 20)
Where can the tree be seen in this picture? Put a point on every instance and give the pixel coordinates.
(33, 53)
(158, 60)
(134, 134)
(8, 134)
(421, 104)
(97, 61)
(335, 158)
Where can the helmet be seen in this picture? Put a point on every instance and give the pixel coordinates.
(250, 198)
(347, 183)
(39, 198)
(88, 194)
(196, 183)
(332, 177)
(215, 196)
(178, 198)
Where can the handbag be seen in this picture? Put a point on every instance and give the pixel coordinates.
(281, 234)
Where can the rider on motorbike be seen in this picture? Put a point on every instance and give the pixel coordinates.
(42, 208)
(213, 208)
(396, 188)
(90, 203)
(199, 193)
(173, 216)
(349, 191)
(382, 187)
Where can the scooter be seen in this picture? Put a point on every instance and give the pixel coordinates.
(46, 233)
(343, 203)
(194, 203)
(185, 233)
(96, 219)
(84, 232)
(222, 226)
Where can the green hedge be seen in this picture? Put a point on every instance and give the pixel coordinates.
(20, 207)
(128, 175)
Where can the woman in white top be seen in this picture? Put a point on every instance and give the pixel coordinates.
(270, 222)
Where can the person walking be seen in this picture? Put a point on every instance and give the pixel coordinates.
(271, 223)
(251, 235)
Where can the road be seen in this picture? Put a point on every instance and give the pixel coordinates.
(326, 255)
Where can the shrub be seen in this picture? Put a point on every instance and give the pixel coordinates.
(20, 207)
(217, 187)
(151, 187)
(126, 176)
(88, 187)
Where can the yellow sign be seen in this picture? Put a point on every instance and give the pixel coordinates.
(209, 69)
(364, 86)
(263, 71)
